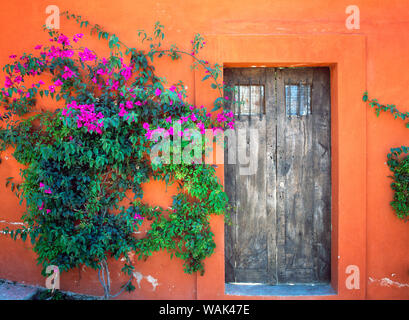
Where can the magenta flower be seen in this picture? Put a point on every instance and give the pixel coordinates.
(41, 207)
(146, 126)
(42, 185)
(122, 111)
(38, 47)
(13, 56)
(48, 210)
(8, 83)
(168, 119)
(63, 39)
(52, 88)
(87, 55)
(129, 104)
(77, 37)
(48, 191)
(68, 73)
(201, 127)
(58, 83)
(158, 92)
(221, 117)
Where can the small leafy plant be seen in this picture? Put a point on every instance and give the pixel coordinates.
(84, 162)
(398, 162)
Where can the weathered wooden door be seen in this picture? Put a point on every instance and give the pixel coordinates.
(281, 225)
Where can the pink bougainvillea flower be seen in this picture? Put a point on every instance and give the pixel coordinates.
(38, 47)
(122, 112)
(48, 191)
(18, 79)
(158, 92)
(13, 56)
(137, 216)
(168, 119)
(77, 37)
(48, 210)
(42, 185)
(146, 126)
(126, 72)
(41, 207)
(193, 117)
(129, 104)
(170, 131)
(172, 88)
(70, 137)
(87, 55)
(221, 117)
(201, 127)
(41, 82)
(231, 125)
(226, 97)
(28, 95)
(8, 83)
(63, 39)
(68, 73)
(86, 116)
(52, 88)
(58, 83)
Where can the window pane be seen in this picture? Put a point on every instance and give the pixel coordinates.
(249, 99)
(298, 100)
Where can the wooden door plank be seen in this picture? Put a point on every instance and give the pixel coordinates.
(247, 258)
(303, 237)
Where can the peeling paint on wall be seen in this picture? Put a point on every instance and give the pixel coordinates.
(12, 223)
(386, 282)
(139, 276)
(153, 281)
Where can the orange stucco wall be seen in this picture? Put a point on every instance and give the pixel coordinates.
(365, 232)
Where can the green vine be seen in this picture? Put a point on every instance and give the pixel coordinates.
(398, 162)
(85, 163)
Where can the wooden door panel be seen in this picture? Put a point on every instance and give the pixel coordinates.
(280, 230)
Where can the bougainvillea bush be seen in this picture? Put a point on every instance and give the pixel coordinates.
(82, 161)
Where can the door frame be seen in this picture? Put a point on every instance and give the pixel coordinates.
(346, 57)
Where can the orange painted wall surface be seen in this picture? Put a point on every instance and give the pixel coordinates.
(385, 28)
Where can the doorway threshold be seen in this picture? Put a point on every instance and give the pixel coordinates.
(256, 289)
